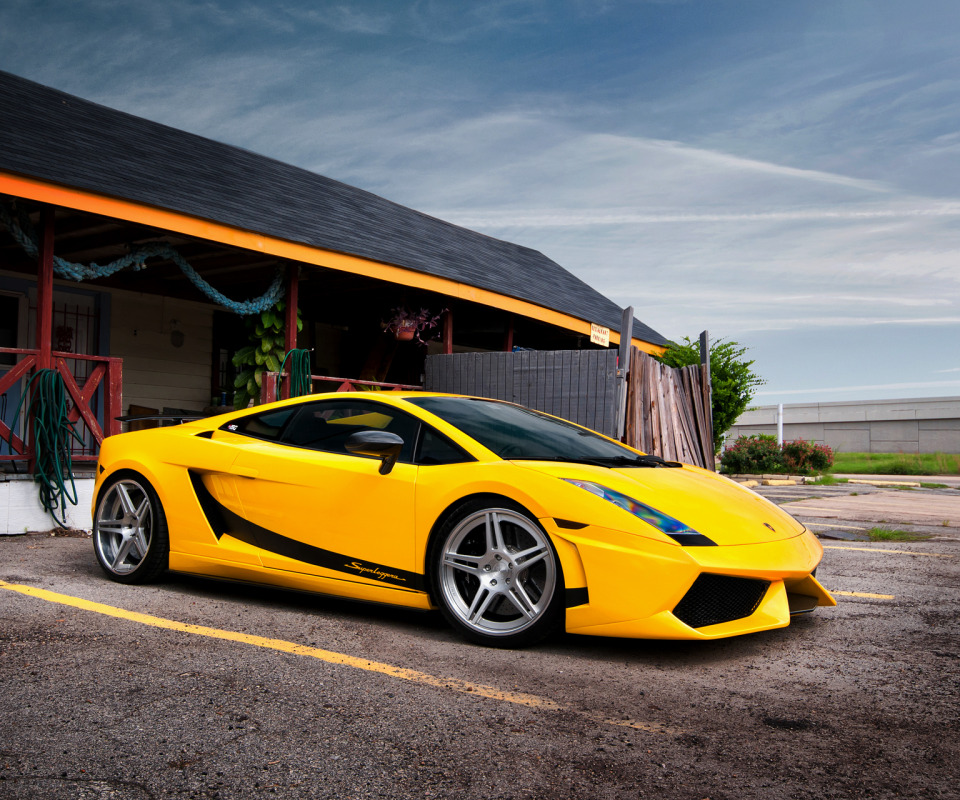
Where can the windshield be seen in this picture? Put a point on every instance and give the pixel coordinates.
(515, 432)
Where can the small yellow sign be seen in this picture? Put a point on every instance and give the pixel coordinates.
(599, 334)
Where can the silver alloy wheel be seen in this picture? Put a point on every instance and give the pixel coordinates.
(497, 572)
(123, 528)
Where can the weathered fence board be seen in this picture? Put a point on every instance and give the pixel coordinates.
(668, 411)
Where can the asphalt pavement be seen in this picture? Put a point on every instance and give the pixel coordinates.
(850, 510)
(192, 688)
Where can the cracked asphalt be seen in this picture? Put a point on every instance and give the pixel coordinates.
(315, 697)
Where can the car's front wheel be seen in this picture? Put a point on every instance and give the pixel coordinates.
(130, 530)
(496, 576)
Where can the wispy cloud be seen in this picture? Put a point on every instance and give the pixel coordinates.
(586, 217)
(782, 181)
(862, 388)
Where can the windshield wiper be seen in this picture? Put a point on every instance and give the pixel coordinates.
(645, 461)
(605, 461)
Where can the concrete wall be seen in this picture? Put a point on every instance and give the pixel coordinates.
(21, 511)
(924, 425)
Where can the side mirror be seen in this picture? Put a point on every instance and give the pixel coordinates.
(380, 444)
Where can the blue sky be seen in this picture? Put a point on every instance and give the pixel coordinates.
(784, 174)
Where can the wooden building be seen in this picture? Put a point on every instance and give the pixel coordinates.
(89, 185)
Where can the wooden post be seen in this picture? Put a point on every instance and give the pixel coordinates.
(45, 290)
(707, 396)
(114, 397)
(448, 332)
(292, 301)
(508, 336)
(623, 368)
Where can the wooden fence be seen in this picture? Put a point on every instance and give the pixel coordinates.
(669, 411)
(578, 385)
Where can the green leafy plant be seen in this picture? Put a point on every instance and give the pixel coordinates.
(267, 333)
(732, 380)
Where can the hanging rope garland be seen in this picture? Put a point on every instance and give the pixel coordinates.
(22, 231)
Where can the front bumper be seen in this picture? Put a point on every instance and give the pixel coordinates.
(651, 590)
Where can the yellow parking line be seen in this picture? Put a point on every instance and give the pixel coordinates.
(865, 594)
(882, 550)
(331, 657)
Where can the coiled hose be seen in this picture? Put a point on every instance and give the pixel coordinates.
(300, 380)
(46, 400)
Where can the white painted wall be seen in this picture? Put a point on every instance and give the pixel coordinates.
(21, 512)
(144, 331)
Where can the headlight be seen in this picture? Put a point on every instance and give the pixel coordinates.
(664, 523)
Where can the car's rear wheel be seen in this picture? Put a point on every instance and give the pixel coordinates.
(130, 530)
(496, 576)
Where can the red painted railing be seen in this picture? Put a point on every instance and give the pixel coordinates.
(106, 372)
(268, 388)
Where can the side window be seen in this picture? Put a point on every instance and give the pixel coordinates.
(267, 426)
(435, 448)
(326, 425)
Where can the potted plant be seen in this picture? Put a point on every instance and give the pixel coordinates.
(407, 325)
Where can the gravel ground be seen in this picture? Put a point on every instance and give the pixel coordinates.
(860, 701)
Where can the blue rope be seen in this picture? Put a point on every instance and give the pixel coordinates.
(26, 237)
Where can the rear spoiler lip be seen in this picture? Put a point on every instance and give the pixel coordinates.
(179, 418)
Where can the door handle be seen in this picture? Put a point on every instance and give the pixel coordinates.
(244, 472)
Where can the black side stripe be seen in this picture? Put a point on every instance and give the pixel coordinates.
(222, 520)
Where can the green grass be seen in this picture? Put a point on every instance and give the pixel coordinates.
(896, 463)
(828, 480)
(894, 535)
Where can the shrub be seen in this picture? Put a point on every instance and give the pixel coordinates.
(761, 453)
(802, 456)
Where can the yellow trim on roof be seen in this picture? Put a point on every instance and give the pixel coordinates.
(81, 200)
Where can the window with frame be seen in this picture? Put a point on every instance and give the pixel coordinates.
(327, 424)
(268, 425)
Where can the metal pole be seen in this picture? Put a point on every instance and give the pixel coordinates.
(780, 424)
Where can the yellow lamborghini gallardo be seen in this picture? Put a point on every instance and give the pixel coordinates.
(513, 523)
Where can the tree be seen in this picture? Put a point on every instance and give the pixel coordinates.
(733, 381)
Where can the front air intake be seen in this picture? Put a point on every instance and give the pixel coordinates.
(719, 598)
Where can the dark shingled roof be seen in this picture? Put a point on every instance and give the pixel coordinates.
(57, 137)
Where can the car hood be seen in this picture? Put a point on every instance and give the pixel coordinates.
(715, 506)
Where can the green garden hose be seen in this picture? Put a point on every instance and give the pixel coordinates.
(300, 380)
(52, 432)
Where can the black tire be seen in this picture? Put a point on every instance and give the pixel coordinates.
(130, 535)
(496, 576)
